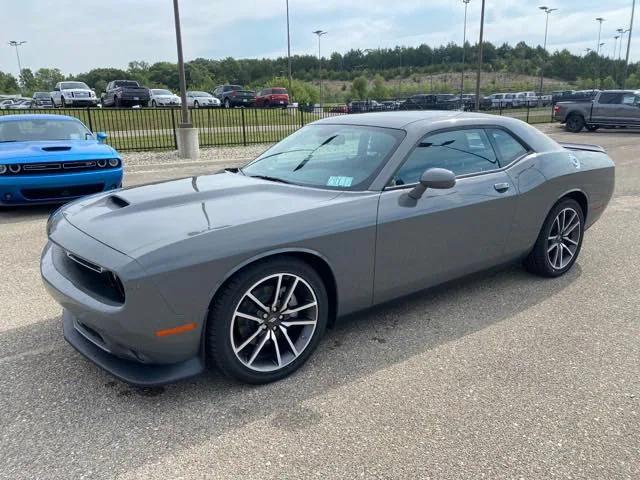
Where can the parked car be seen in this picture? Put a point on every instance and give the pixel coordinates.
(497, 100)
(339, 109)
(20, 104)
(544, 100)
(41, 100)
(235, 96)
(361, 106)
(291, 241)
(53, 159)
(196, 99)
(73, 94)
(561, 95)
(272, 97)
(507, 100)
(159, 97)
(469, 102)
(609, 108)
(125, 93)
(424, 101)
(389, 105)
(525, 99)
(6, 102)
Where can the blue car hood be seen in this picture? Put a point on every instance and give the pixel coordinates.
(56, 150)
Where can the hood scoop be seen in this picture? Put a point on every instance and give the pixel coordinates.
(56, 149)
(117, 201)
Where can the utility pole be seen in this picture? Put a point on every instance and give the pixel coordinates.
(289, 49)
(626, 61)
(547, 11)
(464, 49)
(479, 57)
(319, 33)
(598, 45)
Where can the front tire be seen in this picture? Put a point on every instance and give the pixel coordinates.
(267, 320)
(196, 104)
(227, 103)
(559, 242)
(574, 123)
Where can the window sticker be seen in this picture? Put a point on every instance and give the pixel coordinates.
(339, 181)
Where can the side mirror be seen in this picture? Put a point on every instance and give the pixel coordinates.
(439, 178)
(101, 137)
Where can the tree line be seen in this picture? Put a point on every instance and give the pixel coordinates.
(385, 63)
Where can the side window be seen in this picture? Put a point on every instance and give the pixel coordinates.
(610, 98)
(628, 99)
(463, 152)
(508, 147)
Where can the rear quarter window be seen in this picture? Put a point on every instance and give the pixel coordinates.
(509, 148)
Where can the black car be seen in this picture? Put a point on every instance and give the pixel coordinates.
(430, 101)
(125, 93)
(235, 96)
(41, 100)
(361, 106)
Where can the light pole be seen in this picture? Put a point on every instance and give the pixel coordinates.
(16, 44)
(615, 46)
(479, 57)
(289, 49)
(319, 33)
(626, 61)
(464, 49)
(186, 135)
(547, 11)
(598, 45)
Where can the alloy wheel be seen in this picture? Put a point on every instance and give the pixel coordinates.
(274, 322)
(564, 238)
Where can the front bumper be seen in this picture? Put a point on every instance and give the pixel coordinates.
(56, 188)
(131, 372)
(119, 336)
(81, 102)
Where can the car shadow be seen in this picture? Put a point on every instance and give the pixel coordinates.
(27, 213)
(73, 414)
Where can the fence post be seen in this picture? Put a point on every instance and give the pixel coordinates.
(500, 104)
(552, 107)
(89, 118)
(244, 128)
(528, 108)
(173, 125)
(301, 117)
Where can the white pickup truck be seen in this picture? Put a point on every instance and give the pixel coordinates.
(73, 94)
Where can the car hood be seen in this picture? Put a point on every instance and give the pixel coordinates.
(22, 152)
(138, 220)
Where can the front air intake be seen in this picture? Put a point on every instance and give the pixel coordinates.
(56, 149)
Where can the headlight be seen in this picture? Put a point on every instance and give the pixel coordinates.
(114, 162)
(3, 169)
(15, 168)
(102, 163)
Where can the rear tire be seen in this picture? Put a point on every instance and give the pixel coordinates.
(196, 104)
(559, 242)
(574, 123)
(232, 340)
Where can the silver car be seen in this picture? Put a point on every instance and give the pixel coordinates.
(198, 99)
(246, 268)
(159, 97)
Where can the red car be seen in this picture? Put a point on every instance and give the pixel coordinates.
(272, 97)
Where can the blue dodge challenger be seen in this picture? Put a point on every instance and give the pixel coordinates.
(53, 159)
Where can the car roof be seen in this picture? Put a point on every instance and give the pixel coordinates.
(36, 116)
(402, 119)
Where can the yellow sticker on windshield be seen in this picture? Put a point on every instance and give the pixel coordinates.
(339, 181)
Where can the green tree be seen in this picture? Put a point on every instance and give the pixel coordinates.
(608, 83)
(359, 88)
(379, 90)
(27, 81)
(46, 78)
(8, 83)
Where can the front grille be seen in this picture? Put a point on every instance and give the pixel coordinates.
(60, 167)
(61, 193)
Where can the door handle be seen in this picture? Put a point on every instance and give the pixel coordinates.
(501, 187)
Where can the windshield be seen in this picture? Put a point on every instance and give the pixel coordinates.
(33, 130)
(41, 95)
(127, 83)
(157, 91)
(345, 157)
(70, 85)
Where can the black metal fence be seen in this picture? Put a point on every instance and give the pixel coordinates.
(155, 128)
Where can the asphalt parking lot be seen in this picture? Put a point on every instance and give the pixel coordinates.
(502, 375)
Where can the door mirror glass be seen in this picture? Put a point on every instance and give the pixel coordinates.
(438, 178)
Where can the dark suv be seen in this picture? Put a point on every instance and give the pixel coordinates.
(125, 93)
(235, 96)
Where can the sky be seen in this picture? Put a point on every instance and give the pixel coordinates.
(77, 36)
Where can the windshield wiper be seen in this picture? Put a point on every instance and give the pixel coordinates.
(267, 177)
(7, 141)
(306, 160)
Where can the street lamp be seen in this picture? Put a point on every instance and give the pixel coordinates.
(479, 57)
(16, 44)
(599, 20)
(547, 11)
(289, 49)
(464, 49)
(615, 46)
(186, 135)
(319, 33)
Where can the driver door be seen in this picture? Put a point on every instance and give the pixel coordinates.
(446, 233)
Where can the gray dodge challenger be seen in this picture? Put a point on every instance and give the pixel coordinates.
(247, 267)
